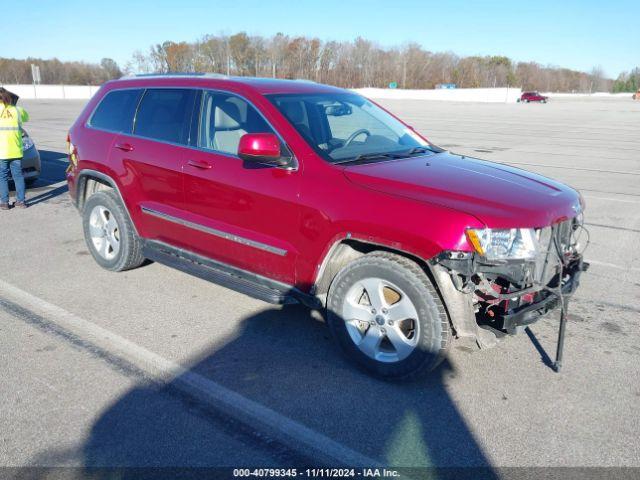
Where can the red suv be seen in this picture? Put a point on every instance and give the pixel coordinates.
(291, 191)
(527, 97)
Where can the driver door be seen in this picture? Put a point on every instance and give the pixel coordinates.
(242, 214)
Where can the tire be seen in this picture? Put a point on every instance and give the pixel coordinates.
(424, 340)
(526, 101)
(109, 234)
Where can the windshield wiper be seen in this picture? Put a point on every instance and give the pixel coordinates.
(367, 156)
(387, 155)
(415, 150)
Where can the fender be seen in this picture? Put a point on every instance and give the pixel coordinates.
(346, 247)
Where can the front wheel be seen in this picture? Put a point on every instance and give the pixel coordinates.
(385, 314)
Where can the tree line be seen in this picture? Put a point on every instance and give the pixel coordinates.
(627, 81)
(55, 72)
(357, 63)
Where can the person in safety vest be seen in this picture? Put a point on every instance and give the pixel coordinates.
(11, 119)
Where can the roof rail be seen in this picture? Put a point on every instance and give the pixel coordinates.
(175, 74)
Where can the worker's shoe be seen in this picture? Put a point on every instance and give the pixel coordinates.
(4, 206)
(20, 205)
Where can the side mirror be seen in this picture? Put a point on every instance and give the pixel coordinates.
(261, 148)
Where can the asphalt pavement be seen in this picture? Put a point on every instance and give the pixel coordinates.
(76, 387)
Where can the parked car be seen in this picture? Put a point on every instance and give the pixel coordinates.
(527, 97)
(636, 96)
(31, 164)
(292, 191)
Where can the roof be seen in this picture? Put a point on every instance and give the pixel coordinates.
(263, 86)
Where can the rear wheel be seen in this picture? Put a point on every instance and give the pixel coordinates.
(385, 314)
(109, 233)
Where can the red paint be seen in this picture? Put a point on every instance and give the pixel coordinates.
(419, 205)
(264, 145)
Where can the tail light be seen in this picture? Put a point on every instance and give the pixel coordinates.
(72, 152)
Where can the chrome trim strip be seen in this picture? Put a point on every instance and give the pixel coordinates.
(217, 233)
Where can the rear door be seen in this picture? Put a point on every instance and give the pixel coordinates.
(241, 213)
(113, 116)
(151, 158)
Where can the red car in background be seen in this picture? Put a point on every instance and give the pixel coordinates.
(527, 97)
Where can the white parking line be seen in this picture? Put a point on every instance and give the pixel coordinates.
(613, 265)
(256, 416)
(610, 199)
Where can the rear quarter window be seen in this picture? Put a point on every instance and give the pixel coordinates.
(115, 111)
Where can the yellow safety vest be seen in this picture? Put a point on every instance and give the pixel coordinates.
(11, 119)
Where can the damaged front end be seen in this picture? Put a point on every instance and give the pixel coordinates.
(514, 277)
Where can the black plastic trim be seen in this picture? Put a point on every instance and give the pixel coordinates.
(242, 281)
(528, 314)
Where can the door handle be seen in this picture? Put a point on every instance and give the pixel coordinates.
(125, 147)
(199, 164)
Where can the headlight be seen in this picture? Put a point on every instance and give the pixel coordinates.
(27, 143)
(504, 244)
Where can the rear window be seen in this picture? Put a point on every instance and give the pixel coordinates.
(165, 114)
(115, 111)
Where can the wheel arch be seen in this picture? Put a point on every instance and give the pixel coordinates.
(92, 181)
(457, 304)
(345, 250)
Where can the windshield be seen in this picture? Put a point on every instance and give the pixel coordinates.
(345, 127)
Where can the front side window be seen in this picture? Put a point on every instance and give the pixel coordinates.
(344, 127)
(165, 114)
(224, 119)
(115, 111)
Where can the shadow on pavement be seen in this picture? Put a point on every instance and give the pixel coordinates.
(544, 356)
(54, 165)
(285, 359)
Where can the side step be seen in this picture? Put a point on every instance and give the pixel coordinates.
(241, 281)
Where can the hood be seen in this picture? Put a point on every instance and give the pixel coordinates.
(498, 195)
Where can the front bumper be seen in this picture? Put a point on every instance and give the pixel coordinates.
(549, 300)
(31, 165)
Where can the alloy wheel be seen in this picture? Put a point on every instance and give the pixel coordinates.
(381, 320)
(105, 232)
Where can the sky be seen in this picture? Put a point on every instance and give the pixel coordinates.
(572, 34)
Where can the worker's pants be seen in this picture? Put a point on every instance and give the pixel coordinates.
(15, 167)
